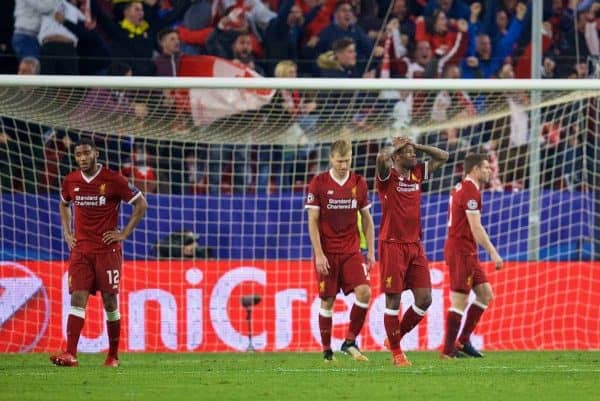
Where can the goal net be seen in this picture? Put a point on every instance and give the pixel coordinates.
(222, 260)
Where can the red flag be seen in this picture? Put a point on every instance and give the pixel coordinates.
(208, 105)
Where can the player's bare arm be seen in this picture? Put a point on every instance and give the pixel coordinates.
(369, 229)
(65, 219)
(321, 262)
(438, 156)
(384, 162)
(483, 239)
(139, 209)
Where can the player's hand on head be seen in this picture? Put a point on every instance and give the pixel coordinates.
(111, 237)
(400, 141)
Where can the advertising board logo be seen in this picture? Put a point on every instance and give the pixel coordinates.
(24, 308)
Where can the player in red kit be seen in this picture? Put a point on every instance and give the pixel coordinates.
(464, 233)
(95, 194)
(333, 199)
(401, 255)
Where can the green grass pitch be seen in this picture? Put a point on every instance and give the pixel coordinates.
(514, 376)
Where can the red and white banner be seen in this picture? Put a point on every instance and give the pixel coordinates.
(208, 105)
(197, 306)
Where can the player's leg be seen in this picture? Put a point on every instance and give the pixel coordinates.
(75, 322)
(393, 267)
(328, 289)
(458, 303)
(484, 296)
(113, 328)
(325, 325)
(413, 315)
(108, 278)
(418, 279)
(461, 279)
(355, 278)
(81, 282)
(392, 329)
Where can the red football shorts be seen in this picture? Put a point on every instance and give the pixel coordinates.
(403, 266)
(465, 271)
(346, 272)
(95, 272)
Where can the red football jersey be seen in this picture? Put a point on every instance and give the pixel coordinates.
(338, 204)
(96, 201)
(465, 198)
(400, 199)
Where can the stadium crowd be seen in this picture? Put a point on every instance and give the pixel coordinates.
(297, 38)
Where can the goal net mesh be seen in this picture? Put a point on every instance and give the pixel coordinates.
(222, 260)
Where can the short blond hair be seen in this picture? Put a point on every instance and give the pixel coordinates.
(284, 68)
(342, 147)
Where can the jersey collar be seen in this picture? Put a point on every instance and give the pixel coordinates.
(90, 179)
(340, 182)
(468, 178)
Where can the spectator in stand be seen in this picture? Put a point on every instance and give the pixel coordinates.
(454, 9)
(29, 66)
(344, 26)
(21, 145)
(580, 41)
(450, 105)
(28, 18)
(572, 164)
(118, 144)
(283, 166)
(319, 14)
(243, 53)
(235, 158)
(514, 135)
(7, 27)
(482, 59)
(196, 26)
(406, 23)
(341, 61)
(58, 44)
(167, 63)
(368, 18)
(133, 38)
(448, 41)
(419, 63)
(221, 40)
(283, 35)
(141, 170)
(195, 171)
(92, 50)
(258, 13)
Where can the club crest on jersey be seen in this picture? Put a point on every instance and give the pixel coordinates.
(102, 189)
(354, 192)
(472, 204)
(310, 198)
